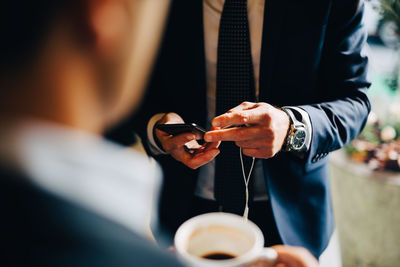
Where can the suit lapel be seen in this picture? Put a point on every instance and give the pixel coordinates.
(200, 61)
(200, 46)
(273, 22)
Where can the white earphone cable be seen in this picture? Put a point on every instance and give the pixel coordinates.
(246, 182)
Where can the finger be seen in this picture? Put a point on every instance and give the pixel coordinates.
(194, 160)
(243, 106)
(230, 119)
(233, 134)
(200, 159)
(171, 143)
(193, 151)
(286, 257)
(295, 256)
(168, 118)
(256, 143)
(171, 118)
(193, 144)
(193, 147)
(212, 145)
(206, 147)
(181, 154)
(249, 116)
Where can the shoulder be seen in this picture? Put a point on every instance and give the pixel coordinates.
(40, 229)
(347, 8)
(353, 3)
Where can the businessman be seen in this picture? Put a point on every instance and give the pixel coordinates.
(280, 84)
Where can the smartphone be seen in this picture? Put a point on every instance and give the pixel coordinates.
(175, 129)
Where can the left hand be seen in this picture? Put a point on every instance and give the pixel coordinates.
(264, 135)
(289, 256)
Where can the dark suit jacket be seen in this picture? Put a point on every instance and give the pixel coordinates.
(311, 57)
(41, 229)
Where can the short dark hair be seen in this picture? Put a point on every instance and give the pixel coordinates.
(24, 25)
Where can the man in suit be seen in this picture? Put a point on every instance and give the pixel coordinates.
(68, 71)
(68, 197)
(292, 72)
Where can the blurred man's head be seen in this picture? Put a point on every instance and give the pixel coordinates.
(78, 62)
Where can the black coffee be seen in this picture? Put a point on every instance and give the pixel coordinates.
(218, 256)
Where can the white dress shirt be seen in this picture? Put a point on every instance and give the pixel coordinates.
(212, 11)
(112, 181)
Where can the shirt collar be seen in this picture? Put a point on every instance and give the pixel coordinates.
(117, 183)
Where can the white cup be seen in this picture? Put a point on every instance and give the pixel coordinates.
(222, 233)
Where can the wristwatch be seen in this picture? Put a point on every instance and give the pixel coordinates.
(297, 134)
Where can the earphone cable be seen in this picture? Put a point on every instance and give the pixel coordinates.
(246, 182)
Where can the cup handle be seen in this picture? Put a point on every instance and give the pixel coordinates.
(266, 258)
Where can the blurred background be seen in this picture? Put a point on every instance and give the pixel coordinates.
(366, 174)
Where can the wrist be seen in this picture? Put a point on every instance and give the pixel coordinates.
(285, 140)
(152, 139)
(155, 136)
(296, 137)
(287, 122)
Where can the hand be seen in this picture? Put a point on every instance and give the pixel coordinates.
(184, 147)
(267, 127)
(294, 257)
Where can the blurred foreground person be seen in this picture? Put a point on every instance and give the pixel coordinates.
(68, 70)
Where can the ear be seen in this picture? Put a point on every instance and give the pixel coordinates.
(108, 20)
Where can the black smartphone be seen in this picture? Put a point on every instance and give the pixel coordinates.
(179, 128)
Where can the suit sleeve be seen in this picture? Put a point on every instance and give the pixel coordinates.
(343, 79)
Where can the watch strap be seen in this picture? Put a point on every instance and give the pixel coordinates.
(292, 117)
(294, 124)
(286, 142)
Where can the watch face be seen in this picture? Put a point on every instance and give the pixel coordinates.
(299, 139)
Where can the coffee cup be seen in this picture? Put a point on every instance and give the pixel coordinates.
(222, 239)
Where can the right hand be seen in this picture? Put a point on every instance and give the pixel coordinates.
(184, 147)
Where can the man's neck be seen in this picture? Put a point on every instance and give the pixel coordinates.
(66, 98)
